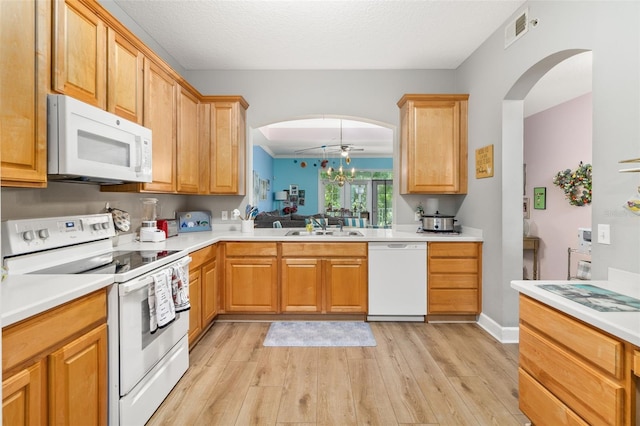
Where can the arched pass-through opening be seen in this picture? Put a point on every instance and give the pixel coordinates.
(512, 160)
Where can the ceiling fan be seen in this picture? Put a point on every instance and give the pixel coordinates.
(343, 149)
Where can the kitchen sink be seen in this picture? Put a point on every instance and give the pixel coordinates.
(328, 233)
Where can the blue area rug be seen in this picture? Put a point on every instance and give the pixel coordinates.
(319, 333)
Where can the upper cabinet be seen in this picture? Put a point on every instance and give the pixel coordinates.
(124, 77)
(79, 53)
(433, 144)
(188, 170)
(223, 144)
(25, 40)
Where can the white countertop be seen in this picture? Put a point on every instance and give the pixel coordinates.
(624, 325)
(23, 296)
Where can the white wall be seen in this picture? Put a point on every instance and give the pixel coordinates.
(492, 74)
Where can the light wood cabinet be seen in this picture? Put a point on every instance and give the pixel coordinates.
(124, 77)
(571, 372)
(78, 388)
(251, 277)
(223, 144)
(79, 53)
(24, 78)
(195, 300)
(324, 277)
(54, 365)
(203, 291)
(187, 168)
(301, 287)
(454, 277)
(433, 144)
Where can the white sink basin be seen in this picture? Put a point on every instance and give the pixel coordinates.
(323, 233)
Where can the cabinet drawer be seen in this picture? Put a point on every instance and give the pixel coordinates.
(28, 338)
(202, 256)
(453, 281)
(541, 406)
(592, 395)
(595, 347)
(448, 266)
(454, 249)
(453, 301)
(251, 249)
(324, 250)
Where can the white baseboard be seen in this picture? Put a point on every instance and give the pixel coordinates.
(501, 334)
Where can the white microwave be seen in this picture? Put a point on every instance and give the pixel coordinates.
(89, 145)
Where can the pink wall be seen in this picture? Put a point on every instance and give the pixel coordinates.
(556, 139)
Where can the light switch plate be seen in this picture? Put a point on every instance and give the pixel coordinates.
(225, 215)
(604, 233)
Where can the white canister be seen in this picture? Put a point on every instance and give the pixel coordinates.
(246, 226)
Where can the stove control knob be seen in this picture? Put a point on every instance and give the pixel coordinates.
(96, 227)
(27, 235)
(43, 233)
(105, 225)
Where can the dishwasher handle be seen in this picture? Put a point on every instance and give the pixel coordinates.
(398, 246)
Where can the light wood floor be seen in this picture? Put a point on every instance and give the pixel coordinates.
(428, 374)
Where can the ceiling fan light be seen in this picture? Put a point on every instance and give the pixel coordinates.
(344, 153)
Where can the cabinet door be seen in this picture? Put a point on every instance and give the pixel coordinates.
(195, 300)
(79, 57)
(251, 284)
(433, 148)
(346, 285)
(301, 285)
(124, 78)
(160, 117)
(188, 172)
(24, 397)
(78, 380)
(209, 292)
(24, 41)
(227, 149)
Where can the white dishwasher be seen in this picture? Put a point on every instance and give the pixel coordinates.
(397, 281)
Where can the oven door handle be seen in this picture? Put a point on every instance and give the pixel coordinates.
(144, 281)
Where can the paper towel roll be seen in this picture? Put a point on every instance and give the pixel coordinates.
(431, 205)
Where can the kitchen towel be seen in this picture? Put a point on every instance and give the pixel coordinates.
(161, 306)
(180, 288)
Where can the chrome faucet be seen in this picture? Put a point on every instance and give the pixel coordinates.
(322, 225)
(341, 224)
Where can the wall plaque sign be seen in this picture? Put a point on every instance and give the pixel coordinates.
(484, 162)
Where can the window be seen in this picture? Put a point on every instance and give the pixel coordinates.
(369, 196)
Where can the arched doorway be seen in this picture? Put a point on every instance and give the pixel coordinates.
(297, 148)
(512, 155)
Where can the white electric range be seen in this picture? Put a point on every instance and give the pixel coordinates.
(143, 366)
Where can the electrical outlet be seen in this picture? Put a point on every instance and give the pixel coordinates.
(604, 233)
(225, 215)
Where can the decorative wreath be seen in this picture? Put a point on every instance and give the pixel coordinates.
(576, 184)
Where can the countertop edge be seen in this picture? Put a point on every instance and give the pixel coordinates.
(624, 325)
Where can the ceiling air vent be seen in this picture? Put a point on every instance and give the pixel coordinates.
(516, 28)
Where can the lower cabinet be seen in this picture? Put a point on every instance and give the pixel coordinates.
(54, 365)
(572, 373)
(203, 291)
(324, 278)
(251, 277)
(454, 278)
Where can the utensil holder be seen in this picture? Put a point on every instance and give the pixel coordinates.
(246, 226)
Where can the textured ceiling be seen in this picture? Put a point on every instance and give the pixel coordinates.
(319, 35)
(339, 35)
